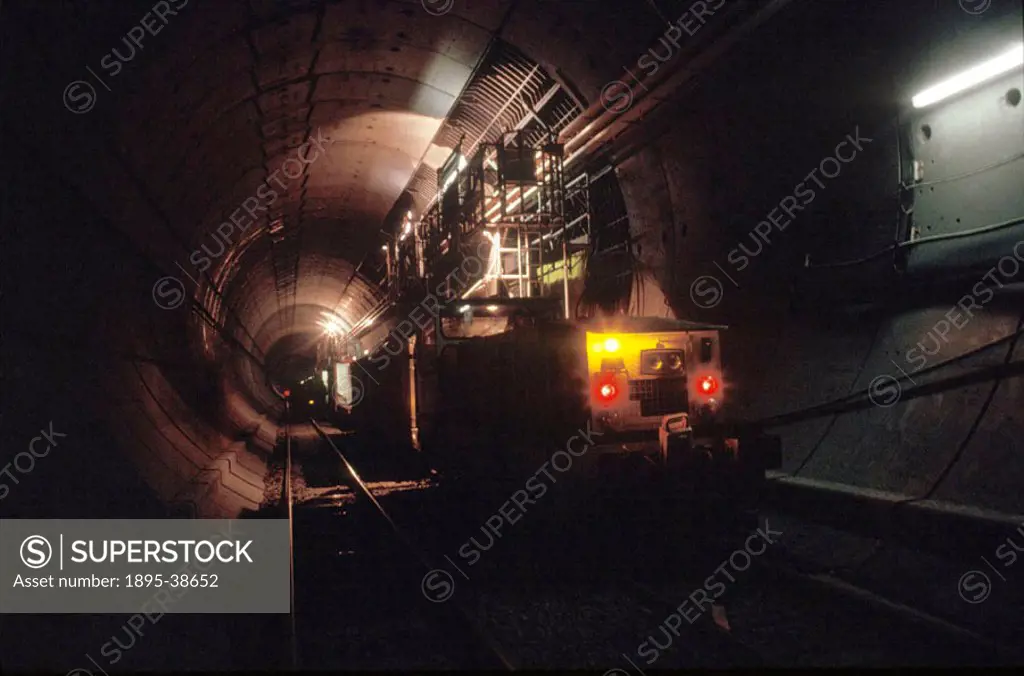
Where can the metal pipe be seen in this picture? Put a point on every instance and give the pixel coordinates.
(565, 275)
(599, 125)
(519, 261)
(415, 430)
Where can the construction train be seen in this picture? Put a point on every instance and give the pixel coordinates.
(492, 388)
(491, 377)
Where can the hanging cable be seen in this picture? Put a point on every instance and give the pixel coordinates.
(835, 417)
(855, 401)
(977, 421)
(923, 240)
(904, 187)
(960, 177)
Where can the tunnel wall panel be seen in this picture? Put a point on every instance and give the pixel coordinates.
(196, 466)
(990, 465)
(90, 311)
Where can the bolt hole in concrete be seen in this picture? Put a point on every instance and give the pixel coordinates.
(1013, 97)
(926, 132)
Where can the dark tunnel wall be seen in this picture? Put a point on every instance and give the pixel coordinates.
(85, 351)
(740, 141)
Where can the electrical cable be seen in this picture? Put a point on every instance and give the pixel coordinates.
(900, 220)
(962, 446)
(835, 406)
(966, 233)
(974, 377)
(977, 421)
(835, 417)
(966, 174)
(896, 245)
(923, 240)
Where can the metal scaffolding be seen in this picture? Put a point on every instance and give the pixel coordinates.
(511, 194)
(511, 203)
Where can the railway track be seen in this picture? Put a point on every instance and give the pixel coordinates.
(583, 597)
(352, 564)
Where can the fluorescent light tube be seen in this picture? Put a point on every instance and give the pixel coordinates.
(970, 78)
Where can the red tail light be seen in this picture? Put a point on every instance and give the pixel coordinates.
(707, 385)
(606, 389)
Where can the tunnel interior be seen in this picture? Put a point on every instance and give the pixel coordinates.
(192, 186)
(205, 194)
(252, 160)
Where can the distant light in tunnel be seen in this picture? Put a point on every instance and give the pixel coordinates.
(492, 308)
(464, 308)
(330, 328)
(332, 324)
(971, 77)
(311, 402)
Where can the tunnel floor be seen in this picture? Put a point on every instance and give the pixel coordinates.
(561, 592)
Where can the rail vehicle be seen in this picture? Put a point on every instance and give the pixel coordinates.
(502, 383)
(308, 398)
(498, 383)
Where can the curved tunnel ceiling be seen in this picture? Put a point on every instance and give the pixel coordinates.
(215, 108)
(319, 118)
(214, 111)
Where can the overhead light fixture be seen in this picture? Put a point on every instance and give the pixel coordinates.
(972, 77)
